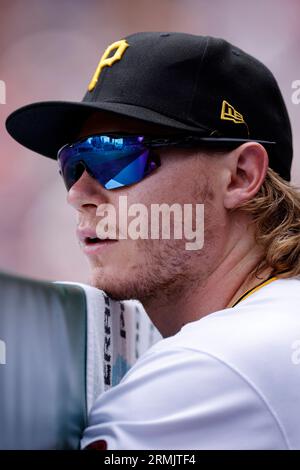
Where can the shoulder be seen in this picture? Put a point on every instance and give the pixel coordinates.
(268, 319)
(226, 381)
(259, 340)
(255, 338)
(174, 398)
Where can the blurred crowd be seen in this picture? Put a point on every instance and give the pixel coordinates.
(49, 50)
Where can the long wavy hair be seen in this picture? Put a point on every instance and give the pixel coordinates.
(275, 211)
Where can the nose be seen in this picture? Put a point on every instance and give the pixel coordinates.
(87, 193)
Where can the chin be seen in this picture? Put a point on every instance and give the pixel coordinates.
(115, 286)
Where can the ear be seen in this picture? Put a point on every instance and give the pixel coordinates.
(246, 170)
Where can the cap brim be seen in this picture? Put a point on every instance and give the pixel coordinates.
(45, 127)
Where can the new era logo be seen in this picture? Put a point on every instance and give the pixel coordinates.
(229, 113)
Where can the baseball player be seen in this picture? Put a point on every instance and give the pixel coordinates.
(173, 118)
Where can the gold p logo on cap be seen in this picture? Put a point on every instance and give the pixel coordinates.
(106, 61)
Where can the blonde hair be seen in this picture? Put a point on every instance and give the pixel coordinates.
(275, 211)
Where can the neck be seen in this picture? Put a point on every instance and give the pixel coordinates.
(221, 289)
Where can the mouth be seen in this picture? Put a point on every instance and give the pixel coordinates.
(92, 245)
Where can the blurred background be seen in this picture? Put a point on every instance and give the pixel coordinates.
(50, 49)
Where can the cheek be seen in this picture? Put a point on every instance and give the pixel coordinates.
(171, 183)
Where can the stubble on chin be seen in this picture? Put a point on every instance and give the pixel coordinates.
(162, 268)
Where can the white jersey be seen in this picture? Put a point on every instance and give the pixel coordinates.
(230, 380)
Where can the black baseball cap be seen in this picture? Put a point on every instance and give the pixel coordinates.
(197, 85)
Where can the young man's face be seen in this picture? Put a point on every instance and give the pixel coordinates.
(141, 268)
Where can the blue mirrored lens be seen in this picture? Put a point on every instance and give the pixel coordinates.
(114, 161)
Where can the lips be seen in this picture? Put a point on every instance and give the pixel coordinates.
(89, 241)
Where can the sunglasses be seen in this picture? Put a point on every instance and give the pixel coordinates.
(116, 160)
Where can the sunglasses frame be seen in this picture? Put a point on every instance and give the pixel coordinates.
(180, 141)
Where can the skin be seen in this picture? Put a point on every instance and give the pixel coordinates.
(177, 286)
